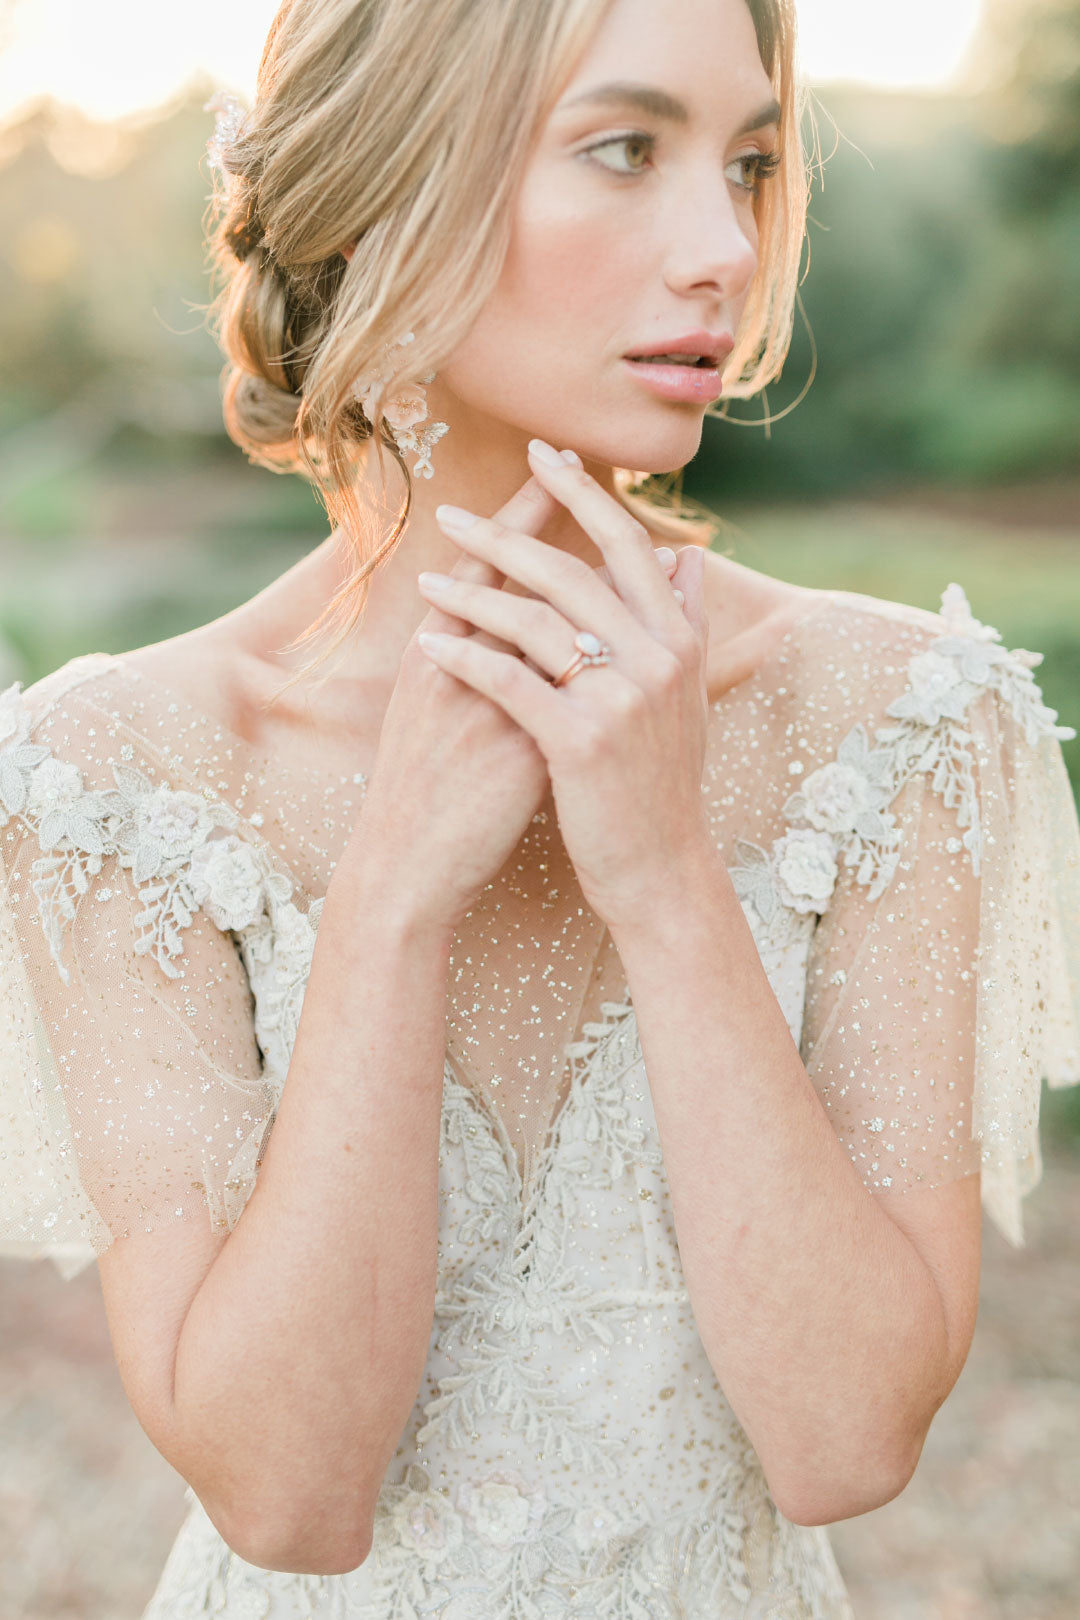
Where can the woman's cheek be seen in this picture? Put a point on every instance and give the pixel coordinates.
(562, 288)
(571, 253)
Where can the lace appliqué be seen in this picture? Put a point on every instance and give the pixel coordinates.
(500, 1549)
(503, 1550)
(184, 856)
(841, 811)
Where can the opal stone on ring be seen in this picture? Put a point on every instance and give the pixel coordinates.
(590, 650)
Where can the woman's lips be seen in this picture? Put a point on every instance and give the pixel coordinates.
(697, 385)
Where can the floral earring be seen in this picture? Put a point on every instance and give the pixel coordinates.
(405, 411)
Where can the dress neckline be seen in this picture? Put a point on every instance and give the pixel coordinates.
(271, 762)
(121, 661)
(270, 766)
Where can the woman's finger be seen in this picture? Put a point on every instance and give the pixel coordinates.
(528, 509)
(627, 549)
(688, 582)
(525, 623)
(530, 700)
(511, 622)
(568, 583)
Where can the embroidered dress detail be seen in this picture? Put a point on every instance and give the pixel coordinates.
(533, 1287)
(505, 1548)
(844, 804)
(159, 835)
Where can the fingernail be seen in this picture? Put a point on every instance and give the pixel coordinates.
(679, 597)
(454, 517)
(573, 458)
(434, 582)
(431, 640)
(665, 555)
(544, 453)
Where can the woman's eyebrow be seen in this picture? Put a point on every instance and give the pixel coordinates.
(661, 104)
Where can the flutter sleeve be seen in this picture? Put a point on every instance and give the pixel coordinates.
(132, 1091)
(943, 979)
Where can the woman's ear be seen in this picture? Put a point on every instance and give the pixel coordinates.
(348, 251)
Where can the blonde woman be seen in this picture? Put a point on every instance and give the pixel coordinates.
(528, 1089)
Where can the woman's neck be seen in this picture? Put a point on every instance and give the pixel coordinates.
(394, 606)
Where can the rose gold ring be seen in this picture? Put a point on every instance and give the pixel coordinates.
(590, 650)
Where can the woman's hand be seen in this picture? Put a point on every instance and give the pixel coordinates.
(456, 780)
(624, 742)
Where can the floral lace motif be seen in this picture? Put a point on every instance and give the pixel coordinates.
(500, 1549)
(184, 856)
(841, 810)
(504, 1551)
(531, 1288)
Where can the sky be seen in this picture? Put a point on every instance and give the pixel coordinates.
(116, 57)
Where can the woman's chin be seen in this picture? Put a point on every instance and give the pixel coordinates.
(656, 467)
(663, 450)
(658, 441)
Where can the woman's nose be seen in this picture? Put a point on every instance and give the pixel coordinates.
(712, 248)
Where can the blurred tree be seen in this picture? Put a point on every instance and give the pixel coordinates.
(1032, 60)
(1026, 291)
(101, 262)
(942, 289)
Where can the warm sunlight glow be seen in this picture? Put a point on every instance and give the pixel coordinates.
(112, 57)
(907, 43)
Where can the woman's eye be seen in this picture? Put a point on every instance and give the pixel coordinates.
(633, 147)
(752, 169)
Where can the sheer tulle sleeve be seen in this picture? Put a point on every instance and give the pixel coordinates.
(131, 1084)
(939, 997)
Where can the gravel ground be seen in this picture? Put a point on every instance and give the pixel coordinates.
(989, 1529)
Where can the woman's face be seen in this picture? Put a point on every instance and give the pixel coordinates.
(634, 230)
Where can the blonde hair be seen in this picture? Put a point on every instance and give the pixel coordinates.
(406, 128)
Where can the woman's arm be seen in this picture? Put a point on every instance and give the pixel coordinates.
(320, 1307)
(834, 1335)
(277, 1368)
(302, 1348)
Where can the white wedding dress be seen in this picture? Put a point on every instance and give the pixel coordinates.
(888, 793)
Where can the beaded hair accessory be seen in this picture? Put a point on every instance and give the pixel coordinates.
(246, 233)
(228, 128)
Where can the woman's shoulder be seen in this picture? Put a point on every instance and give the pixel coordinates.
(40, 699)
(80, 733)
(884, 712)
(61, 728)
(885, 623)
(177, 705)
(134, 683)
(918, 666)
(768, 631)
(99, 795)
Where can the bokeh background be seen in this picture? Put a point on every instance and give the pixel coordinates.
(938, 442)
